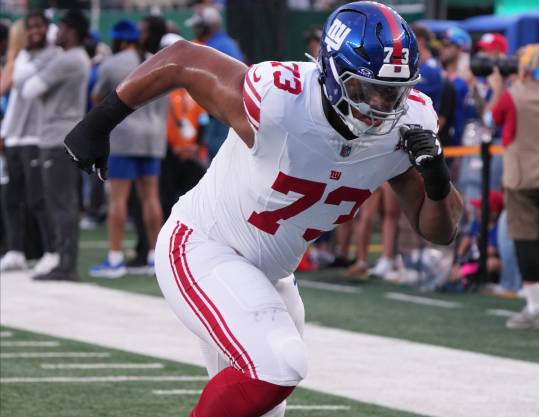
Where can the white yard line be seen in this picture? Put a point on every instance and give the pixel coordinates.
(318, 407)
(501, 313)
(29, 343)
(177, 392)
(414, 377)
(6, 334)
(329, 287)
(397, 296)
(101, 365)
(115, 378)
(16, 355)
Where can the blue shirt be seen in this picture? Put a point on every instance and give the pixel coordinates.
(461, 87)
(431, 82)
(225, 44)
(475, 229)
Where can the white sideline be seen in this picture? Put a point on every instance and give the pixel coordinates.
(29, 343)
(6, 334)
(397, 296)
(318, 407)
(101, 365)
(428, 380)
(113, 378)
(177, 391)
(18, 355)
(330, 287)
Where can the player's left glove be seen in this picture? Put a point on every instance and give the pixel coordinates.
(426, 155)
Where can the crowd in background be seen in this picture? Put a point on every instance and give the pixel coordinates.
(53, 73)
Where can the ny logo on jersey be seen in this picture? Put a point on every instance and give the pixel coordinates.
(335, 175)
(336, 35)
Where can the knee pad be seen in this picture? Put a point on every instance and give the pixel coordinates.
(291, 357)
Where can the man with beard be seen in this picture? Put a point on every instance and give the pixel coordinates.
(21, 137)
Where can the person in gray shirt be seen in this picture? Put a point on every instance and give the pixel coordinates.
(20, 134)
(137, 147)
(62, 85)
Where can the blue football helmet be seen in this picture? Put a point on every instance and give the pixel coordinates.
(368, 63)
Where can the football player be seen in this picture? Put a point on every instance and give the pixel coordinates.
(308, 144)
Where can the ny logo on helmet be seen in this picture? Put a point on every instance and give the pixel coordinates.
(336, 35)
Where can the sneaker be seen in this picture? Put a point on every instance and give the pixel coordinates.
(340, 262)
(108, 270)
(88, 223)
(13, 261)
(57, 275)
(359, 270)
(46, 264)
(524, 320)
(139, 266)
(383, 267)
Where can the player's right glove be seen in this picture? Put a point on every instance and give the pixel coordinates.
(426, 155)
(88, 142)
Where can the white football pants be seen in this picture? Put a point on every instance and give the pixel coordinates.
(242, 318)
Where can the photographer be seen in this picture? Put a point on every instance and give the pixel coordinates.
(517, 111)
(492, 65)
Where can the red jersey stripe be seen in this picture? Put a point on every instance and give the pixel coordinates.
(252, 108)
(249, 84)
(418, 99)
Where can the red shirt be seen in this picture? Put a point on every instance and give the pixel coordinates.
(504, 114)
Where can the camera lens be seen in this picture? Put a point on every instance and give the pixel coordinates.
(481, 65)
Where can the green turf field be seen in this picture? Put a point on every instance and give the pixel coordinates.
(31, 387)
(471, 326)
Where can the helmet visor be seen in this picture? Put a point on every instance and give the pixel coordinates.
(367, 97)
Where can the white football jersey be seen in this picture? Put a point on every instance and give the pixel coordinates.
(300, 178)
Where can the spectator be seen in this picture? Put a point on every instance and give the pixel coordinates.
(467, 259)
(136, 149)
(388, 265)
(21, 132)
(182, 168)
(312, 40)
(93, 189)
(152, 29)
(206, 26)
(455, 43)
(62, 85)
(431, 82)
(517, 112)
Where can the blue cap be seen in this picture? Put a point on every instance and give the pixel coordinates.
(459, 37)
(125, 30)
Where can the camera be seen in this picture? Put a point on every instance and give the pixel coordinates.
(482, 65)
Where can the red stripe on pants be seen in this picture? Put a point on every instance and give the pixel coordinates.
(202, 306)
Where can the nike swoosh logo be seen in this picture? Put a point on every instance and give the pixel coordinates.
(256, 78)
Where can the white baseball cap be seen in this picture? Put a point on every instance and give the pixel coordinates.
(208, 15)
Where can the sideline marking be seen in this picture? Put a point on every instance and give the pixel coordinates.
(177, 392)
(329, 287)
(101, 365)
(6, 334)
(421, 300)
(120, 378)
(319, 407)
(501, 313)
(29, 343)
(54, 355)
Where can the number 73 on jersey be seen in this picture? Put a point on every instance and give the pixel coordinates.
(311, 192)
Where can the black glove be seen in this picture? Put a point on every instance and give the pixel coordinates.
(425, 153)
(88, 142)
